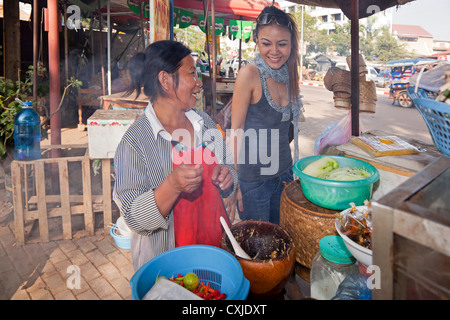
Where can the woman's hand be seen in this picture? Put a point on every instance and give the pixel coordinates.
(232, 203)
(222, 177)
(186, 177)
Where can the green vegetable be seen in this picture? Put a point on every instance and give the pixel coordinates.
(190, 281)
(346, 174)
(321, 166)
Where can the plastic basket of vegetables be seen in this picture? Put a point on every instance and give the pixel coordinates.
(215, 268)
(333, 182)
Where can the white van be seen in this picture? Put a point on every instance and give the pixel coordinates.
(372, 74)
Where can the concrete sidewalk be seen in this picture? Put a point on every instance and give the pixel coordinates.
(88, 268)
(48, 270)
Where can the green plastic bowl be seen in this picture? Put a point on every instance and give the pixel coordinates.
(334, 194)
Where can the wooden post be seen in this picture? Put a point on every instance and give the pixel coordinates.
(42, 203)
(11, 39)
(54, 73)
(214, 53)
(65, 199)
(35, 46)
(101, 48)
(106, 183)
(355, 66)
(19, 227)
(87, 197)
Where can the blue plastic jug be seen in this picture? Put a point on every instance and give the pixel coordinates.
(27, 134)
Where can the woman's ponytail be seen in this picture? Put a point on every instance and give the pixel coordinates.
(136, 72)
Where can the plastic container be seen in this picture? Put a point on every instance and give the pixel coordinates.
(333, 194)
(122, 227)
(27, 134)
(331, 265)
(354, 287)
(123, 242)
(211, 264)
(362, 254)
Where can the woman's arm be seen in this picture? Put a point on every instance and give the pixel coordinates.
(147, 197)
(243, 96)
(184, 178)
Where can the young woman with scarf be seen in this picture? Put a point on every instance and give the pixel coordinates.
(266, 102)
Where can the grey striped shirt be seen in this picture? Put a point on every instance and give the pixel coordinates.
(142, 161)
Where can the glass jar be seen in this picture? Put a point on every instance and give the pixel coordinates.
(329, 267)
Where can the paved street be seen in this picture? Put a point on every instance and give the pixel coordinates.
(320, 111)
(44, 271)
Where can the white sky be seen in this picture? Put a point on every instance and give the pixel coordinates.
(432, 15)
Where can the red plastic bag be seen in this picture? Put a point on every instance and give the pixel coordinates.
(339, 134)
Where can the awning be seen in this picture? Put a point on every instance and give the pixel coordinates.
(366, 7)
(228, 9)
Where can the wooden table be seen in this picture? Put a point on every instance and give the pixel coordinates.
(88, 97)
(411, 237)
(393, 170)
(224, 91)
(119, 101)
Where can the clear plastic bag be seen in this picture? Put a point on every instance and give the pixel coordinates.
(165, 289)
(338, 134)
(322, 136)
(354, 287)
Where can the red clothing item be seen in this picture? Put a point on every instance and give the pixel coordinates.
(196, 215)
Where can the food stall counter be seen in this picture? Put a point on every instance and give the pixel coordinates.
(393, 169)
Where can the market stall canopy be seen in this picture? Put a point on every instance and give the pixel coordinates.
(409, 62)
(228, 9)
(366, 7)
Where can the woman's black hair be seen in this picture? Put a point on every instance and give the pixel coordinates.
(144, 67)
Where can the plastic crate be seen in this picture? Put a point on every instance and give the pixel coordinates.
(437, 117)
(211, 264)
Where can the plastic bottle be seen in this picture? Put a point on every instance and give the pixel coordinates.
(354, 287)
(27, 134)
(330, 266)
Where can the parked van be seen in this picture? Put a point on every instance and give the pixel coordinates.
(371, 71)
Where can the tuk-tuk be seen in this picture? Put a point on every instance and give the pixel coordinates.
(400, 74)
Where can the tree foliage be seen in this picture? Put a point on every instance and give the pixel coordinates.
(388, 48)
(374, 43)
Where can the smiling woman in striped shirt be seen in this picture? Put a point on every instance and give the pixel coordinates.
(171, 172)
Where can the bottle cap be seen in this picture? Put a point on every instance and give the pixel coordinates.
(333, 249)
(28, 104)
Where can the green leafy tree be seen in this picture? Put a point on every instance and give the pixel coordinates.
(388, 48)
(341, 39)
(368, 34)
(192, 37)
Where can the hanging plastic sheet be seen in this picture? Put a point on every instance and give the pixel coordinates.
(220, 22)
(186, 18)
(241, 29)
